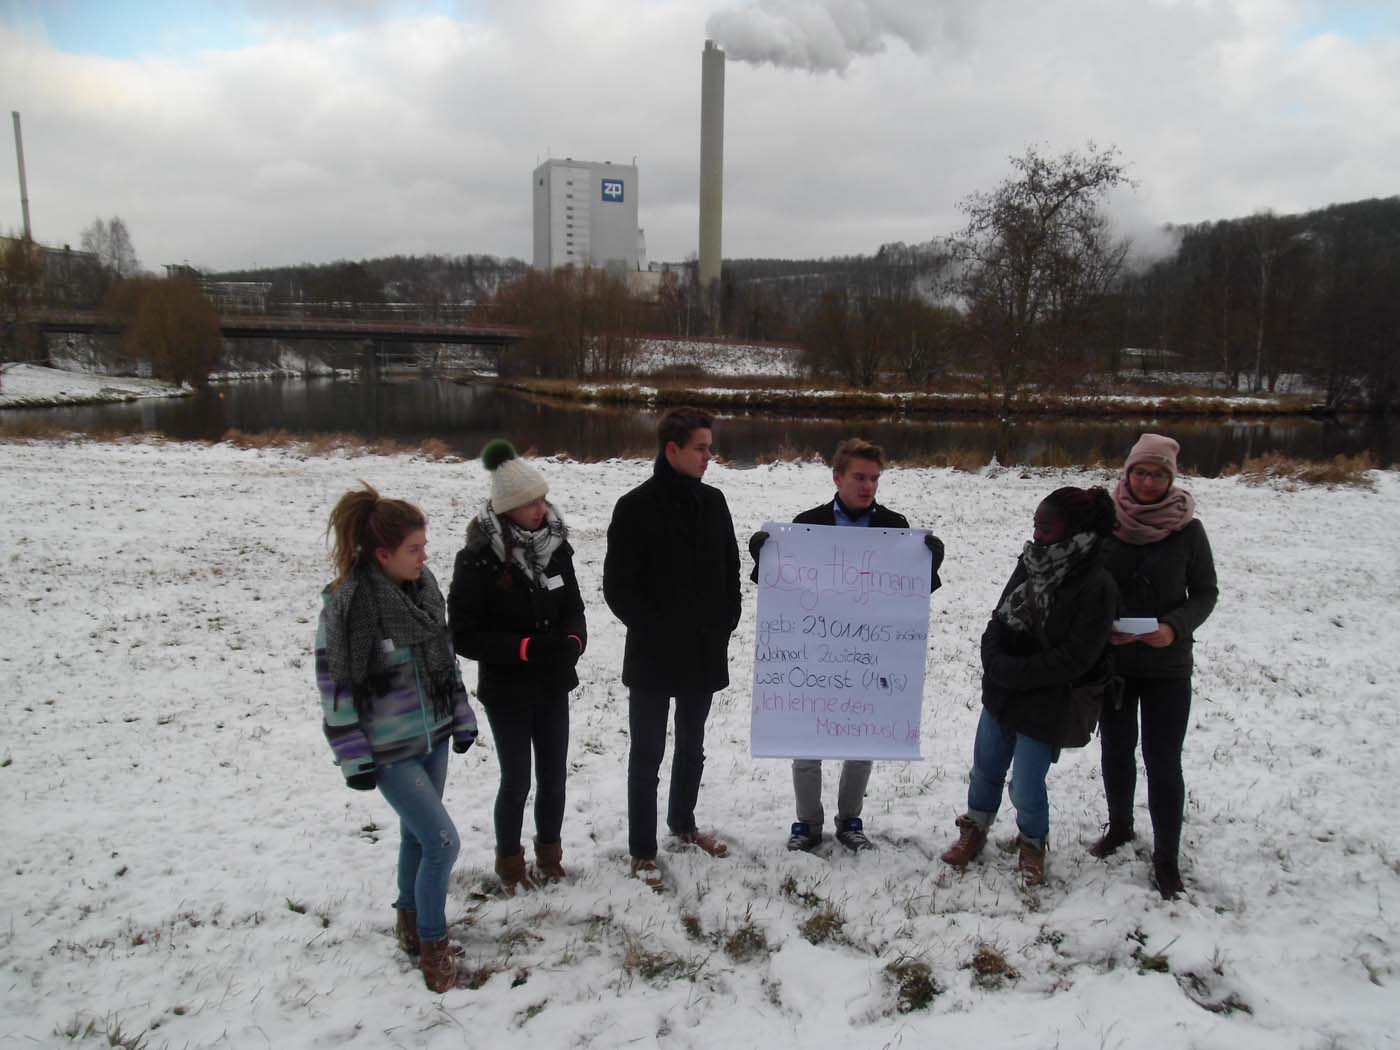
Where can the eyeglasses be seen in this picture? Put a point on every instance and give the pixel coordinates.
(1146, 474)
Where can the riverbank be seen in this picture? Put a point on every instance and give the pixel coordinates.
(35, 386)
(803, 399)
(186, 866)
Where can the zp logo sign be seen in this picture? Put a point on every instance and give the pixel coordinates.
(612, 190)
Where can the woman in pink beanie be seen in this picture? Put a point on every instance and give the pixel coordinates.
(1161, 560)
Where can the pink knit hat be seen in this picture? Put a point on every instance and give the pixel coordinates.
(1155, 449)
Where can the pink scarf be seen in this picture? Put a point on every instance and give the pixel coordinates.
(1140, 523)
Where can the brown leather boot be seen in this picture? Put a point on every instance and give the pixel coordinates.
(707, 842)
(513, 874)
(646, 870)
(549, 861)
(1031, 862)
(406, 930)
(972, 836)
(1114, 836)
(438, 965)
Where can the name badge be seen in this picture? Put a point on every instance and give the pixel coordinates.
(553, 583)
(387, 645)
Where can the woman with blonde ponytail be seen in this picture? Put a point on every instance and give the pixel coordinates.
(391, 697)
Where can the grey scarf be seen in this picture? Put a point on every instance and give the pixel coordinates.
(1028, 604)
(529, 550)
(368, 609)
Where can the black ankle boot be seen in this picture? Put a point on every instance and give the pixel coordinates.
(1166, 876)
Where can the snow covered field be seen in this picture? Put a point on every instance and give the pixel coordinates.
(182, 860)
(25, 385)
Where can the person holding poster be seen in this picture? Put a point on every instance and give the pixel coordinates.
(671, 575)
(1050, 629)
(1162, 561)
(855, 468)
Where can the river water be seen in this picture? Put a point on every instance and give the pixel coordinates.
(414, 409)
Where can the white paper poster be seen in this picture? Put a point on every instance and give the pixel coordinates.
(841, 642)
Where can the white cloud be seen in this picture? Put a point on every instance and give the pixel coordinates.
(396, 133)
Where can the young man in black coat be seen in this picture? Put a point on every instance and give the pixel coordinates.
(855, 468)
(671, 575)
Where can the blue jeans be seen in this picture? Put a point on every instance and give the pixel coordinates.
(994, 752)
(428, 841)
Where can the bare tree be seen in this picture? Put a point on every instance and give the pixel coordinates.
(169, 323)
(21, 277)
(110, 241)
(1037, 253)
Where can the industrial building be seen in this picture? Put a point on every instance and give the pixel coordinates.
(586, 215)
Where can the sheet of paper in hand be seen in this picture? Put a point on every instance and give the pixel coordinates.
(1136, 624)
(841, 642)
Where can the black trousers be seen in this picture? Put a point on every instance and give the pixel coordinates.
(516, 728)
(1165, 704)
(647, 714)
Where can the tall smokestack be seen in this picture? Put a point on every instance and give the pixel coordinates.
(711, 162)
(24, 189)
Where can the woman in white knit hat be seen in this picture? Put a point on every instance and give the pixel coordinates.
(514, 607)
(1161, 560)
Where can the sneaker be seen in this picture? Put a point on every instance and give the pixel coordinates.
(1114, 836)
(851, 834)
(971, 838)
(649, 873)
(711, 845)
(803, 839)
(1030, 862)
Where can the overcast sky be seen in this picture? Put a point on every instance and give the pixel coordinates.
(256, 132)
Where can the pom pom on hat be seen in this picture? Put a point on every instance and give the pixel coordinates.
(514, 482)
(496, 452)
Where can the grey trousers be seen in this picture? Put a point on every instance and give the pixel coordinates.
(850, 796)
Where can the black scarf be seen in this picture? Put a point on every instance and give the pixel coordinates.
(1047, 565)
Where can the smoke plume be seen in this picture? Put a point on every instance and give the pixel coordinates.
(825, 35)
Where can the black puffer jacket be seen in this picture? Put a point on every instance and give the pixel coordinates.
(1173, 580)
(1023, 682)
(671, 575)
(491, 608)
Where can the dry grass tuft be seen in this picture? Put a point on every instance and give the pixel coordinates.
(747, 942)
(339, 444)
(990, 968)
(914, 980)
(1339, 470)
(32, 430)
(825, 924)
(651, 966)
(968, 460)
(789, 454)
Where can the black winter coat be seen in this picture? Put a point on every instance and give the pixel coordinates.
(671, 575)
(1023, 682)
(1173, 580)
(491, 608)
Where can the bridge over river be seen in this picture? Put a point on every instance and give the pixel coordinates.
(376, 339)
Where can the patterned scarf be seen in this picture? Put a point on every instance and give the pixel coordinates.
(369, 608)
(529, 550)
(1028, 604)
(1140, 523)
